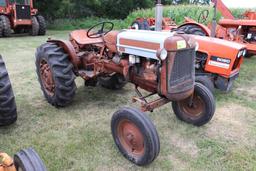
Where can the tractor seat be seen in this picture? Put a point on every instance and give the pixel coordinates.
(80, 36)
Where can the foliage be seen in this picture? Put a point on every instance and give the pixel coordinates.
(82, 9)
(175, 12)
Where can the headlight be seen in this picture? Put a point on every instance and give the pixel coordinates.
(241, 53)
(197, 46)
(245, 52)
(162, 54)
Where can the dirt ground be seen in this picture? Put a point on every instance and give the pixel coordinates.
(78, 137)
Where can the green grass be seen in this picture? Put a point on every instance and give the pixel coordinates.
(78, 137)
(175, 12)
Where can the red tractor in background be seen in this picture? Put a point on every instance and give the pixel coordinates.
(20, 16)
(238, 30)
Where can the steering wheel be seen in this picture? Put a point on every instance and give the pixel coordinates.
(203, 16)
(101, 30)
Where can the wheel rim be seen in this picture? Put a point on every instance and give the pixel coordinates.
(47, 78)
(131, 138)
(195, 108)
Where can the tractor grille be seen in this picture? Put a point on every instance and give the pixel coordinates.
(182, 75)
(23, 12)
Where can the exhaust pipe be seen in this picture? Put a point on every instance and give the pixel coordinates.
(214, 21)
(159, 15)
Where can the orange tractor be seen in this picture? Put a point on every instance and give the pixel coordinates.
(20, 16)
(24, 160)
(238, 30)
(8, 111)
(161, 63)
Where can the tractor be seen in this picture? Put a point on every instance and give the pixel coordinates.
(8, 111)
(20, 16)
(160, 63)
(242, 31)
(24, 160)
(214, 68)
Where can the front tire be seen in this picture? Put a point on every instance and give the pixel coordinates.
(8, 111)
(197, 111)
(35, 27)
(205, 80)
(42, 25)
(135, 136)
(28, 160)
(6, 24)
(55, 74)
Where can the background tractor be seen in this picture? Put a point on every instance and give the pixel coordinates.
(8, 111)
(229, 28)
(157, 62)
(20, 16)
(24, 160)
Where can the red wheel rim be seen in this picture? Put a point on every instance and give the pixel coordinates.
(194, 108)
(131, 138)
(46, 77)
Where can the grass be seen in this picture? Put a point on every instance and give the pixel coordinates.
(175, 12)
(78, 137)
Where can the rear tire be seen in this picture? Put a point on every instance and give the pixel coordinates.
(55, 74)
(202, 109)
(135, 136)
(192, 29)
(140, 25)
(206, 82)
(1, 28)
(28, 160)
(114, 82)
(6, 32)
(8, 111)
(42, 25)
(35, 27)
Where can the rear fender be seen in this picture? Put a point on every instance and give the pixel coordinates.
(203, 27)
(69, 49)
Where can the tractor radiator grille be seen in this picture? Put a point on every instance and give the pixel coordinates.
(23, 12)
(182, 75)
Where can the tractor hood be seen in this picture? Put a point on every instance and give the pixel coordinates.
(214, 44)
(148, 43)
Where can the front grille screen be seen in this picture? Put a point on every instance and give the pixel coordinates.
(23, 12)
(183, 71)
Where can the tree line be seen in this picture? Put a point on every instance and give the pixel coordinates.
(103, 8)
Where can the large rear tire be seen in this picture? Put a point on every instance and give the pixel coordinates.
(42, 25)
(55, 74)
(28, 160)
(192, 29)
(197, 111)
(6, 32)
(8, 111)
(35, 27)
(135, 136)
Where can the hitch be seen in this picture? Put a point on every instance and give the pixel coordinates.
(149, 106)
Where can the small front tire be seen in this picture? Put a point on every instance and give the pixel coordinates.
(28, 160)
(135, 136)
(197, 111)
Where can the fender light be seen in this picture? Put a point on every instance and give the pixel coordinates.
(162, 54)
(241, 53)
